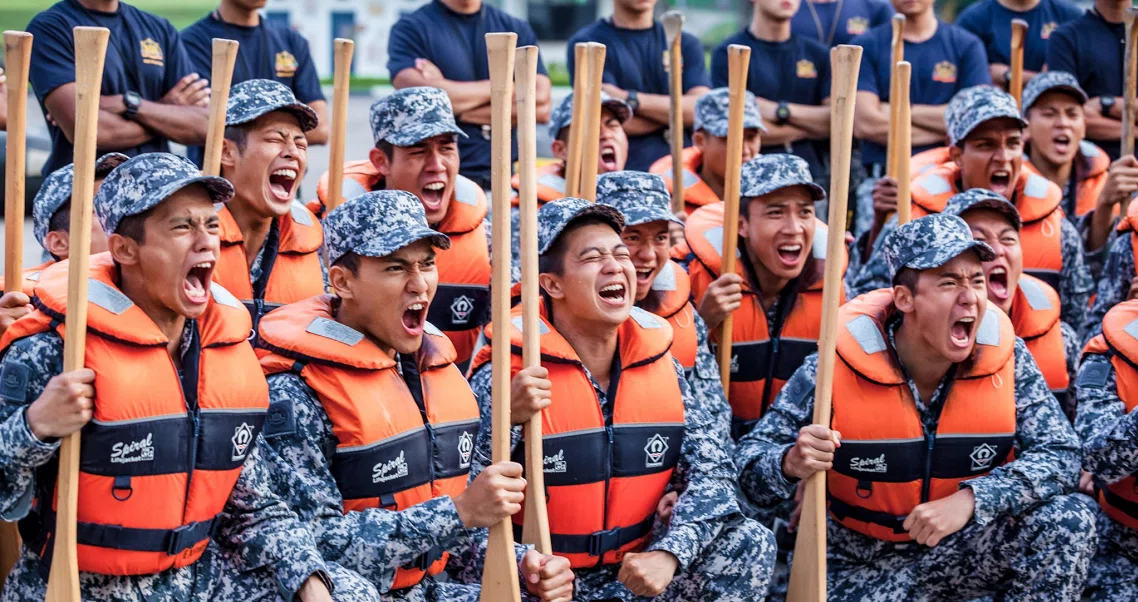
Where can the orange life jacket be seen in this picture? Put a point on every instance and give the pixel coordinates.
(926, 161)
(1091, 169)
(603, 481)
(290, 264)
(31, 277)
(1035, 317)
(1117, 341)
(1038, 201)
(696, 192)
(161, 455)
(359, 177)
(550, 184)
(887, 465)
(1129, 223)
(675, 306)
(761, 361)
(386, 456)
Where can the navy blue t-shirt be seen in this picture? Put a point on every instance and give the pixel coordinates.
(456, 44)
(634, 60)
(951, 60)
(795, 71)
(1094, 51)
(266, 51)
(992, 23)
(144, 55)
(856, 18)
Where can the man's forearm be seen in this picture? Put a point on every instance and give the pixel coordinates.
(783, 134)
(639, 126)
(182, 124)
(923, 137)
(929, 117)
(464, 96)
(811, 119)
(116, 133)
(323, 129)
(1101, 127)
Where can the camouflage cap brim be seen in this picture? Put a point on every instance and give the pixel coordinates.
(304, 114)
(550, 226)
(382, 247)
(1004, 208)
(934, 258)
(635, 216)
(410, 136)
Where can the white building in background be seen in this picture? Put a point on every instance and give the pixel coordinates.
(368, 22)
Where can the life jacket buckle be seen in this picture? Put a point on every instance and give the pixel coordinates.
(604, 541)
(424, 561)
(122, 483)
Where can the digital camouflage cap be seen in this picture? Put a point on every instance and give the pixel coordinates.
(562, 114)
(712, 110)
(411, 115)
(982, 198)
(377, 224)
(973, 106)
(143, 182)
(554, 216)
(253, 98)
(767, 173)
(640, 197)
(1048, 81)
(930, 242)
(55, 192)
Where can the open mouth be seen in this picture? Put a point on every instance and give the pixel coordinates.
(608, 160)
(614, 294)
(281, 183)
(998, 283)
(413, 318)
(790, 255)
(644, 276)
(196, 283)
(1062, 143)
(432, 195)
(1001, 182)
(961, 333)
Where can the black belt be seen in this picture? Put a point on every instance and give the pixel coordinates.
(599, 543)
(842, 511)
(170, 541)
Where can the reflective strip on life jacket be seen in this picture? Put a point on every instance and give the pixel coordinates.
(31, 277)
(162, 453)
(603, 481)
(386, 455)
(887, 465)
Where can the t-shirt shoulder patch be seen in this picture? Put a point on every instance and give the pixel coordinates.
(1093, 374)
(14, 382)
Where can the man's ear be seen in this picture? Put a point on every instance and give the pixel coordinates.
(339, 278)
(379, 161)
(903, 299)
(743, 220)
(230, 154)
(58, 243)
(551, 284)
(124, 250)
(954, 153)
(560, 149)
(699, 139)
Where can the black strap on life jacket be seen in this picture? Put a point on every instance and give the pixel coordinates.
(842, 511)
(599, 543)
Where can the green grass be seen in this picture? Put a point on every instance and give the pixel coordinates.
(15, 14)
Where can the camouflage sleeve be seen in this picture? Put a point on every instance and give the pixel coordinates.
(25, 370)
(706, 386)
(1071, 351)
(259, 530)
(706, 479)
(372, 542)
(1108, 431)
(1046, 450)
(759, 454)
(480, 384)
(1113, 287)
(1075, 283)
(874, 273)
(1095, 258)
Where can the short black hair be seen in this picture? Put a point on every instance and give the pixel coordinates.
(387, 148)
(907, 277)
(61, 219)
(349, 261)
(238, 134)
(134, 226)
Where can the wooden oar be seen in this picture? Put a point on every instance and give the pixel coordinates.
(341, 81)
(673, 30)
(500, 574)
(536, 528)
(224, 56)
(90, 52)
(738, 61)
(808, 573)
(576, 145)
(1015, 84)
(1131, 87)
(898, 46)
(904, 144)
(591, 134)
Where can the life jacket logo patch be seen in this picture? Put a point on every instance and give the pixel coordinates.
(734, 364)
(460, 309)
(286, 64)
(151, 52)
(133, 451)
(655, 449)
(982, 456)
(465, 449)
(945, 72)
(242, 437)
(389, 471)
(857, 25)
(555, 463)
(875, 465)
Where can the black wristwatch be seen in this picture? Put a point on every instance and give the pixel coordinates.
(133, 101)
(633, 101)
(1107, 103)
(782, 113)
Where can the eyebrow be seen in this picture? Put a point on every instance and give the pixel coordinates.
(615, 248)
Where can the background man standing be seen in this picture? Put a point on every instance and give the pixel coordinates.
(636, 73)
(834, 22)
(991, 21)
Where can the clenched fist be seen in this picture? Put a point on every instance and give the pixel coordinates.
(648, 574)
(931, 522)
(812, 452)
(13, 306)
(65, 405)
(494, 495)
(530, 393)
(723, 297)
(547, 577)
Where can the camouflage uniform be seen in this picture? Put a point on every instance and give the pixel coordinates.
(967, 110)
(1113, 286)
(259, 550)
(1029, 538)
(374, 542)
(722, 556)
(55, 191)
(711, 112)
(644, 198)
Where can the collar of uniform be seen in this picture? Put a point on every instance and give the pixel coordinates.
(941, 389)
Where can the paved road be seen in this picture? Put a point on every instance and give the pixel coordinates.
(356, 146)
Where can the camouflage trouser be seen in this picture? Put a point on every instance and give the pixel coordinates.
(1114, 570)
(732, 568)
(863, 207)
(213, 578)
(1040, 556)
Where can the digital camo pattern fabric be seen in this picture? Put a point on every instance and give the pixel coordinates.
(145, 181)
(377, 224)
(712, 109)
(640, 197)
(554, 216)
(767, 173)
(263, 551)
(411, 115)
(562, 115)
(253, 98)
(1113, 286)
(55, 192)
(1028, 539)
(1047, 81)
(972, 106)
(930, 242)
(982, 198)
(722, 556)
